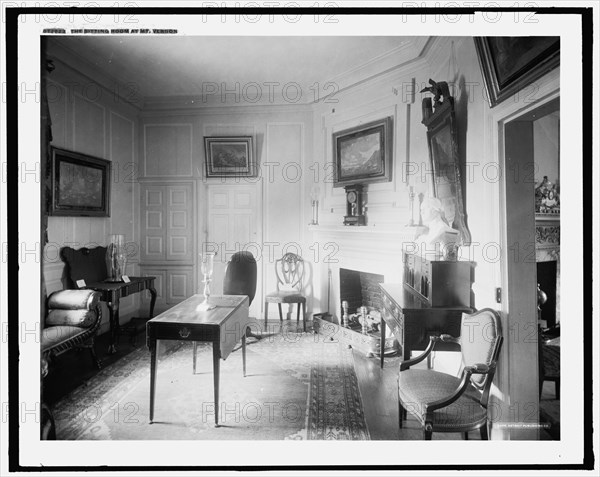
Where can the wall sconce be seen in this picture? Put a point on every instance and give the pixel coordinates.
(314, 200)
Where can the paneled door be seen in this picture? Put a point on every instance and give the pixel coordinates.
(233, 225)
(167, 239)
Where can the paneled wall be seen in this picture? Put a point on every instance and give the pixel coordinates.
(172, 152)
(90, 119)
(396, 94)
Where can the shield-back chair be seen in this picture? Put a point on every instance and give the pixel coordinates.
(289, 270)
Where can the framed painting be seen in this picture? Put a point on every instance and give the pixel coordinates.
(364, 153)
(229, 157)
(509, 64)
(80, 184)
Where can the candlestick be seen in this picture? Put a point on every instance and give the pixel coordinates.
(363, 313)
(206, 267)
(411, 204)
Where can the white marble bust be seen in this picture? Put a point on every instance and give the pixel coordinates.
(439, 236)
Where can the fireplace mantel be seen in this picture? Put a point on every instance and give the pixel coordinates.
(368, 249)
(402, 234)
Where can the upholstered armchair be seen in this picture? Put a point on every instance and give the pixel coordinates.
(445, 403)
(73, 320)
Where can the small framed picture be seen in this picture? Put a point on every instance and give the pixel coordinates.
(230, 157)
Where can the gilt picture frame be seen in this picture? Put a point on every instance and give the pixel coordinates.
(230, 157)
(509, 64)
(80, 184)
(364, 153)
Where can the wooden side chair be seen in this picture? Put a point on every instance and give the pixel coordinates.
(289, 270)
(445, 403)
(240, 275)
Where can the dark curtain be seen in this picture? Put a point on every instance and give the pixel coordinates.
(45, 183)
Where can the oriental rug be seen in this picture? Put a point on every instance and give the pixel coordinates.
(297, 387)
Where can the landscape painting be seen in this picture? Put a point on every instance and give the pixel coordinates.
(229, 156)
(364, 153)
(80, 185)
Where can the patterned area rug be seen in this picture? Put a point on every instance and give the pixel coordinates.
(297, 387)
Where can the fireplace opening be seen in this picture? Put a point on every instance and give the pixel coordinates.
(547, 279)
(360, 289)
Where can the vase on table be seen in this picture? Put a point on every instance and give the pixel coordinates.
(116, 258)
(206, 267)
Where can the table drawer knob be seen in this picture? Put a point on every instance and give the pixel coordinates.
(184, 332)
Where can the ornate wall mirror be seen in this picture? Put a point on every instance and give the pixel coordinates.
(443, 156)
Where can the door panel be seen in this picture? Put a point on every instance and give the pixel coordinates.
(180, 230)
(233, 226)
(152, 226)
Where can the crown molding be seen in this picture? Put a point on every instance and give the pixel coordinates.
(405, 57)
(171, 108)
(90, 72)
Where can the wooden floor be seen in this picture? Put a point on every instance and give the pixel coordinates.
(379, 394)
(378, 387)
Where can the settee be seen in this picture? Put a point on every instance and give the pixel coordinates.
(73, 320)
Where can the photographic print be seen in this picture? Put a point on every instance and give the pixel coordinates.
(385, 345)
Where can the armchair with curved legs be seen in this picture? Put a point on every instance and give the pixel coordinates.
(289, 270)
(445, 403)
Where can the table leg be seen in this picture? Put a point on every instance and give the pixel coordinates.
(113, 309)
(194, 350)
(152, 345)
(405, 351)
(216, 370)
(382, 343)
(244, 352)
(152, 291)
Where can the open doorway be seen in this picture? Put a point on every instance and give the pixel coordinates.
(532, 182)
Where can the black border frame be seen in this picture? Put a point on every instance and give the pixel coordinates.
(12, 168)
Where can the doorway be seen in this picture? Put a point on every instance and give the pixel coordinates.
(531, 181)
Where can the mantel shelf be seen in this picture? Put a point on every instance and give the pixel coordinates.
(406, 233)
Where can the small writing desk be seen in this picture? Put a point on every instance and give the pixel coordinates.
(412, 321)
(223, 326)
(112, 292)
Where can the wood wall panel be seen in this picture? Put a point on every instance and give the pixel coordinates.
(167, 150)
(89, 128)
(180, 281)
(121, 151)
(283, 196)
(57, 102)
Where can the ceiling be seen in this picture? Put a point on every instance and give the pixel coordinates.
(167, 66)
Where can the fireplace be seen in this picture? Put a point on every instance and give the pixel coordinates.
(360, 289)
(547, 257)
(547, 279)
